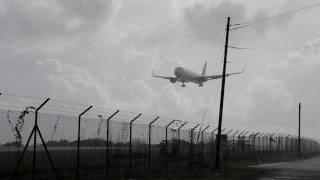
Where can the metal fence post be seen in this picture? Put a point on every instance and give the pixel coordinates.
(166, 148)
(35, 139)
(267, 139)
(244, 140)
(286, 143)
(78, 143)
(270, 142)
(107, 150)
(259, 141)
(212, 146)
(202, 134)
(266, 142)
(149, 144)
(179, 140)
(233, 143)
(202, 144)
(130, 144)
(239, 141)
(191, 144)
(34, 131)
(254, 141)
(21, 156)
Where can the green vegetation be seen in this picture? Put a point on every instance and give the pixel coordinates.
(93, 164)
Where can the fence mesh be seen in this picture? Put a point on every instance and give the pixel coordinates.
(124, 145)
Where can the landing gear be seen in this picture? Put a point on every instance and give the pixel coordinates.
(183, 85)
(200, 85)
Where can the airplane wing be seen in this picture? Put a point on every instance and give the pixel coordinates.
(220, 76)
(164, 77)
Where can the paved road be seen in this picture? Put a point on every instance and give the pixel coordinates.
(308, 169)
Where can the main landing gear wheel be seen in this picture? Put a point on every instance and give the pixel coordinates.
(183, 85)
(200, 85)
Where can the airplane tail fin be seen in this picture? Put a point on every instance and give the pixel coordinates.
(204, 70)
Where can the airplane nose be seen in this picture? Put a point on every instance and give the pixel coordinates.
(177, 71)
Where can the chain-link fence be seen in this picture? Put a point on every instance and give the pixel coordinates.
(118, 143)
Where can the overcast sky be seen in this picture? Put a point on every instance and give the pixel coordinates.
(102, 52)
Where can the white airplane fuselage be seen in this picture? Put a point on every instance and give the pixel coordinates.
(185, 75)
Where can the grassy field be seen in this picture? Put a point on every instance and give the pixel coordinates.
(93, 165)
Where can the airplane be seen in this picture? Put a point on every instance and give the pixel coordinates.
(184, 76)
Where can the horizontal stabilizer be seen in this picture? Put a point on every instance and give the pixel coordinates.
(220, 76)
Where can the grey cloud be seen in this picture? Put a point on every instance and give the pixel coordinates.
(44, 19)
(59, 53)
(300, 61)
(208, 22)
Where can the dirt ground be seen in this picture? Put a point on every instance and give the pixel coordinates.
(308, 169)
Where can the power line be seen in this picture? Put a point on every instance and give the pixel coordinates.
(266, 49)
(260, 20)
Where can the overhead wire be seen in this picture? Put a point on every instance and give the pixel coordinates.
(266, 49)
(260, 20)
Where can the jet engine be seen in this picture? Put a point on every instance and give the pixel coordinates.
(173, 80)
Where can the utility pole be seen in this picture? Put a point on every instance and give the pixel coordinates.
(299, 140)
(222, 94)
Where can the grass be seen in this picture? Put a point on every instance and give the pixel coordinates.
(93, 165)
